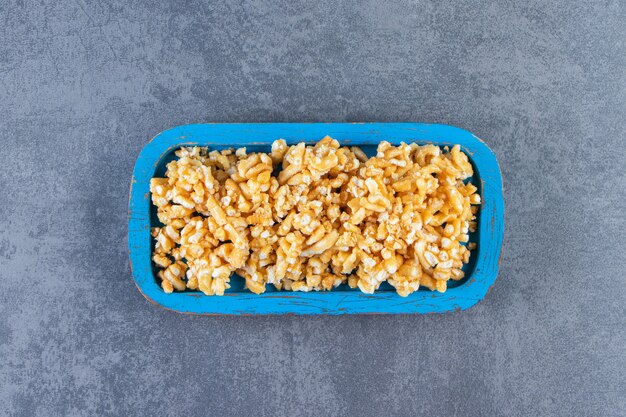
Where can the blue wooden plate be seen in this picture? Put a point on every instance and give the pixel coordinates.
(480, 273)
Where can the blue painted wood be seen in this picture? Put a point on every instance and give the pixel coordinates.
(481, 273)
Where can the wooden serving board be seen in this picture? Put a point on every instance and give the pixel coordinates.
(480, 273)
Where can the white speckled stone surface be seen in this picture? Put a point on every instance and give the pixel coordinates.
(84, 85)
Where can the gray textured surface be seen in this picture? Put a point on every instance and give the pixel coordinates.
(84, 86)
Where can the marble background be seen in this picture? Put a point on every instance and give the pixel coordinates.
(84, 84)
